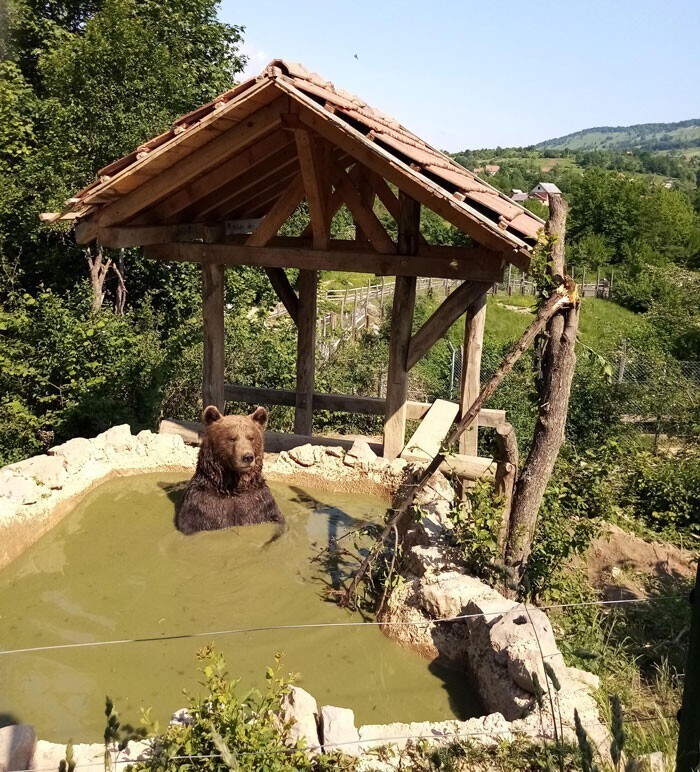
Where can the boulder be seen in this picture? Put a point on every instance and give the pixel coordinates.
(584, 677)
(449, 595)
(8, 509)
(299, 708)
(48, 756)
(523, 628)
(304, 455)
(360, 454)
(161, 446)
(181, 717)
(46, 470)
(339, 732)
(116, 440)
(75, 454)
(335, 450)
(17, 743)
(18, 490)
(492, 609)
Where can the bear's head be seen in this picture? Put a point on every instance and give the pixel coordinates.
(232, 444)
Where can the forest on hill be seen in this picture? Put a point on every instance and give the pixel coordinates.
(82, 83)
(679, 137)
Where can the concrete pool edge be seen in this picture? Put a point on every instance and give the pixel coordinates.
(498, 647)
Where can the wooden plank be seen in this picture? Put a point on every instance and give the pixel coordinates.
(209, 184)
(444, 316)
(213, 315)
(316, 185)
(428, 438)
(363, 214)
(400, 334)
(275, 442)
(193, 165)
(257, 201)
(306, 351)
(278, 215)
(469, 467)
(283, 289)
(431, 261)
(470, 384)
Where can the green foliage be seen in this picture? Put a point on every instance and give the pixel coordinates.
(67, 764)
(476, 522)
(241, 731)
(664, 491)
(116, 736)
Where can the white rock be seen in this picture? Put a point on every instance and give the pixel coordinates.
(301, 710)
(584, 677)
(335, 451)
(164, 446)
(449, 595)
(181, 717)
(48, 756)
(652, 762)
(17, 743)
(116, 440)
(361, 452)
(339, 731)
(19, 490)
(304, 455)
(492, 609)
(8, 509)
(46, 470)
(75, 454)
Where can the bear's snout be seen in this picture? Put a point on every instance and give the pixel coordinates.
(248, 458)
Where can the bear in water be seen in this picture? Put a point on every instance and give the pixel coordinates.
(228, 487)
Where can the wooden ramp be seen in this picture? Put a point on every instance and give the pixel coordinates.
(428, 439)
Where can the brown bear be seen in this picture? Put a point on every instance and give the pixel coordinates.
(228, 487)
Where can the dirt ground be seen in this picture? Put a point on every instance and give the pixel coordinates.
(620, 563)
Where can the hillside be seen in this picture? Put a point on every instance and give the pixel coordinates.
(680, 136)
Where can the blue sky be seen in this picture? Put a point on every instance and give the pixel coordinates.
(480, 73)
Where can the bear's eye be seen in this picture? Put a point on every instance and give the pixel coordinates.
(234, 438)
(250, 438)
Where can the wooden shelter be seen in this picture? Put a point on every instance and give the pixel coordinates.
(217, 188)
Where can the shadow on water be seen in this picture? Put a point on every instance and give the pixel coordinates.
(463, 700)
(330, 557)
(7, 719)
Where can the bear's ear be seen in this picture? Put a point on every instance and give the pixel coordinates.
(211, 414)
(259, 415)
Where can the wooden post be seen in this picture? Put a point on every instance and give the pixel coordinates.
(400, 336)
(306, 352)
(470, 384)
(688, 753)
(213, 317)
(381, 302)
(506, 476)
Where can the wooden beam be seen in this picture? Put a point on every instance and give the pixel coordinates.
(306, 351)
(86, 231)
(275, 442)
(283, 289)
(210, 184)
(213, 314)
(444, 316)
(470, 384)
(316, 186)
(438, 262)
(195, 164)
(257, 201)
(278, 215)
(400, 335)
(363, 214)
(343, 403)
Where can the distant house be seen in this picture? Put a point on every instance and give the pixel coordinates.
(518, 195)
(543, 190)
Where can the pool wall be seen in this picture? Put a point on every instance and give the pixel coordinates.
(498, 644)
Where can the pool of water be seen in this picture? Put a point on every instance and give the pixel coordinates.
(116, 568)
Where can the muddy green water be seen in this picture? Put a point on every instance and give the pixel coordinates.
(116, 568)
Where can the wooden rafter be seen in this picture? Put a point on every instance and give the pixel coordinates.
(278, 215)
(211, 184)
(195, 164)
(443, 318)
(316, 184)
(363, 214)
(280, 283)
(256, 199)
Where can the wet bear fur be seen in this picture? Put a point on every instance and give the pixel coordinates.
(228, 487)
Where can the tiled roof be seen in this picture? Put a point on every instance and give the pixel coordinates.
(495, 215)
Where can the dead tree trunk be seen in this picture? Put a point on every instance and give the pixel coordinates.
(558, 363)
(99, 268)
(120, 299)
